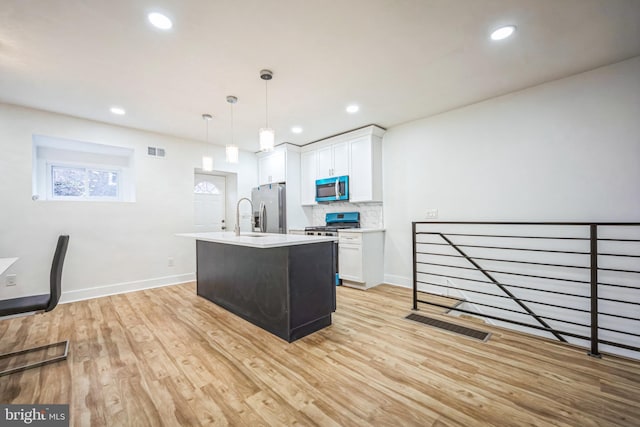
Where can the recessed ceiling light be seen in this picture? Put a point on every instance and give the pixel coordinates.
(160, 21)
(352, 109)
(503, 32)
(118, 110)
(296, 129)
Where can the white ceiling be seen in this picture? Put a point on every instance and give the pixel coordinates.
(398, 59)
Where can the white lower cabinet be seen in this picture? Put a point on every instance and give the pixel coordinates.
(350, 258)
(360, 258)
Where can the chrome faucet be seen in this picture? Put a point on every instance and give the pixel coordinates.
(237, 227)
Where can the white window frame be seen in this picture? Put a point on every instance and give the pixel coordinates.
(86, 196)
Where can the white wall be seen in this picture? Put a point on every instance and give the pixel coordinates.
(114, 247)
(568, 150)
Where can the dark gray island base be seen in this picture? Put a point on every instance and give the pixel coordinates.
(288, 290)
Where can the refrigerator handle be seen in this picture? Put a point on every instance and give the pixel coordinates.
(263, 217)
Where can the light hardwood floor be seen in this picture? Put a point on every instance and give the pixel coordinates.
(167, 357)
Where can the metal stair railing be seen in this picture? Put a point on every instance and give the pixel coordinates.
(481, 260)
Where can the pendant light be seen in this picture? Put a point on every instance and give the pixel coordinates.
(207, 162)
(232, 152)
(267, 135)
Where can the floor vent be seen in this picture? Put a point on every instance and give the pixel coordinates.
(451, 327)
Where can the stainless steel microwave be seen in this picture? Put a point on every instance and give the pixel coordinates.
(332, 189)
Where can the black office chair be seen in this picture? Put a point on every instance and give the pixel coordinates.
(38, 304)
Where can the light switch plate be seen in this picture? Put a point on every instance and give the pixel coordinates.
(432, 213)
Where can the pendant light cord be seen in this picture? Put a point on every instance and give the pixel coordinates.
(231, 107)
(266, 104)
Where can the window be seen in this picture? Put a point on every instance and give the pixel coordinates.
(84, 183)
(84, 171)
(205, 187)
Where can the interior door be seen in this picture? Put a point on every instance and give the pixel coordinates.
(209, 202)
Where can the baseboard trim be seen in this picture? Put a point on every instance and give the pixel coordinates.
(404, 282)
(121, 288)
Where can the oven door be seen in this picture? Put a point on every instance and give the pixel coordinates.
(332, 189)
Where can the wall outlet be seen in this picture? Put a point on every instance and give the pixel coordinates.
(12, 280)
(432, 213)
(170, 262)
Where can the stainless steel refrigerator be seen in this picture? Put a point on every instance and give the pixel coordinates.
(269, 208)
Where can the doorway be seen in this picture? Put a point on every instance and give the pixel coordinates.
(209, 202)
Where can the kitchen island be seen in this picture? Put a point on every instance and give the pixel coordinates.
(282, 283)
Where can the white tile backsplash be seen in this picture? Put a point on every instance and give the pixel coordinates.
(370, 213)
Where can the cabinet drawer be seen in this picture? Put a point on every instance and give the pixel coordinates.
(349, 238)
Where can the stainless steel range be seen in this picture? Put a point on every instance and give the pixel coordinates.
(335, 221)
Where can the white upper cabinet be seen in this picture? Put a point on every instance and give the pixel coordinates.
(333, 160)
(308, 176)
(272, 167)
(365, 177)
(357, 154)
(283, 165)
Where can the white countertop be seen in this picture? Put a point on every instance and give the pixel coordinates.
(361, 230)
(350, 230)
(6, 263)
(258, 240)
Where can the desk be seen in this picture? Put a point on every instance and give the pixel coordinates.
(6, 263)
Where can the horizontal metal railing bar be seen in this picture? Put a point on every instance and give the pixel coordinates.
(618, 301)
(442, 296)
(503, 272)
(546, 291)
(515, 322)
(619, 316)
(619, 286)
(504, 284)
(532, 263)
(503, 236)
(507, 248)
(637, 224)
(525, 313)
(463, 289)
(619, 332)
(618, 270)
(512, 261)
(604, 239)
(619, 345)
(618, 255)
(503, 296)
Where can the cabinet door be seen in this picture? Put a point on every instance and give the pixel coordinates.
(308, 169)
(264, 170)
(271, 168)
(340, 159)
(360, 178)
(325, 162)
(350, 262)
(278, 166)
